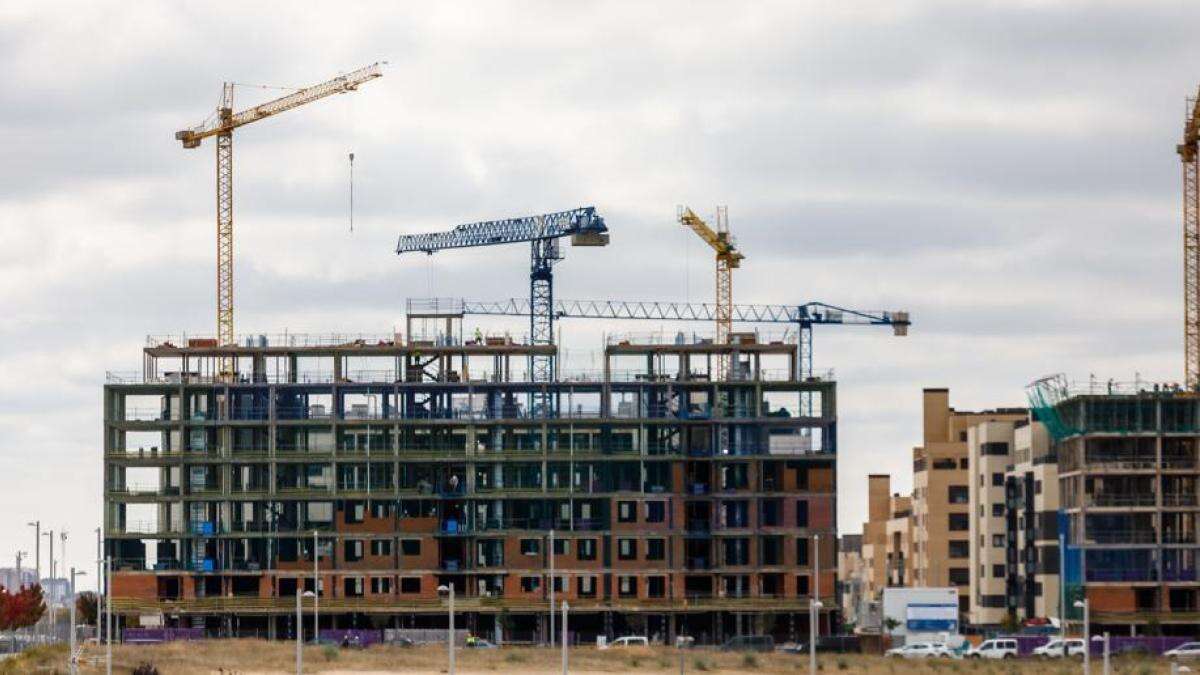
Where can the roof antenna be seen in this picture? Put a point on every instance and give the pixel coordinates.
(352, 192)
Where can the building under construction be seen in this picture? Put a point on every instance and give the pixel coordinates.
(680, 490)
(1128, 472)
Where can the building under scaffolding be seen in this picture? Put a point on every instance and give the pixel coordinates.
(666, 501)
(1128, 472)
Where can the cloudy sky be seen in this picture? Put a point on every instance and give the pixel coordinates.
(1004, 170)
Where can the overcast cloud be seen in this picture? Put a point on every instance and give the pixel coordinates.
(1004, 170)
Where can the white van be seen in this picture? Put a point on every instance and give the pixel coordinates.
(629, 641)
(999, 648)
(1055, 648)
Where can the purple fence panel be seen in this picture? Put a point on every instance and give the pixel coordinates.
(352, 637)
(156, 635)
(1141, 643)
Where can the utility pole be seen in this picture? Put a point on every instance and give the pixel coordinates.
(564, 637)
(71, 659)
(316, 592)
(99, 559)
(815, 616)
(108, 620)
(74, 661)
(551, 554)
(20, 582)
(37, 551)
(50, 601)
(63, 555)
(1062, 591)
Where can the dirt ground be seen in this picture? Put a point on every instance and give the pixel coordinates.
(247, 657)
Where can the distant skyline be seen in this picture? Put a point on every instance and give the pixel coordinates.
(1005, 171)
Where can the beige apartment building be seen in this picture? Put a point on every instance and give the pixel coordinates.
(899, 542)
(885, 551)
(874, 534)
(851, 577)
(989, 450)
(941, 500)
(1032, 487)
(1014, 547)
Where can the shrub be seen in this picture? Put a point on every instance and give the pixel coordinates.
(514, 657)
(145, 669)
(842, 665)
(330, 652)
(749, 661)
(701, 664)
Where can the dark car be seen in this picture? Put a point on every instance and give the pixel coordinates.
(749, 643)
(837, 644)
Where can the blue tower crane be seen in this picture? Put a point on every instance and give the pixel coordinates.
(542, 232)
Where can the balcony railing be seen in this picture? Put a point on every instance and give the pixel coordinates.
(1141, 536)
(1179, 499)
(1117, 499)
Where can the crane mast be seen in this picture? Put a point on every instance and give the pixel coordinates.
(222, 126)
(1189, 150)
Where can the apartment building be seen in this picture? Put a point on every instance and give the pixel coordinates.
(941, 499)
(899, 542)
(1013, 531)
(1031, 515)
(874, 535)
(667, 501)
(1128, 474)
(851, 577)
(886, 550)
(990, 447)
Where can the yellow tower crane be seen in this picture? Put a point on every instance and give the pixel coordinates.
(1189, 153)
(728, 259)
(222, 126)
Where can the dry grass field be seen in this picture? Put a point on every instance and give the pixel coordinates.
(243, 657)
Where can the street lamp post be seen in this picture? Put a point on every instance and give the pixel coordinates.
(564, 637)
(108, 615)
(300, 628)
(1087, 642)
(316, 592)
(50, 595)
(550, 553)
(37, 550)
(448, 589)
(814, 608)
(74, 662)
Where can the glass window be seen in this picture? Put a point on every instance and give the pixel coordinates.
(656, 512)
(626, 512)
(585, 549)
(627, 549)
(655, 549)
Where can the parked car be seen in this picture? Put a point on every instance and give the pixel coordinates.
(999, 648)
(1187, 650)
(1054, 649)
(921, 650)
(749, 643)
(479, 643)
(840, 644)
(630, 641)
